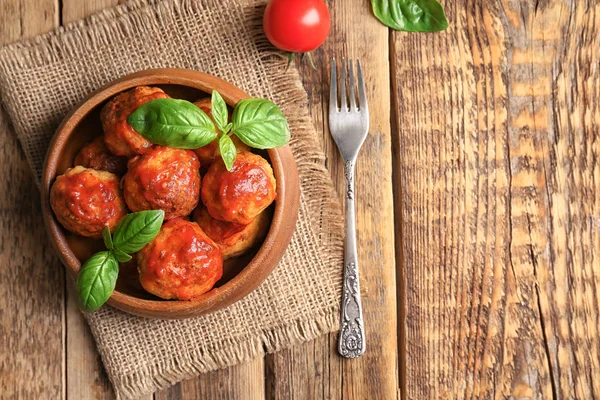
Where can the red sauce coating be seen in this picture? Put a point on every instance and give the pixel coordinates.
(85, 201)
(182, 262)
(96, 155)
(233, 239)
(220, 231)
(208, 153)
(164, 178)
(241, 194)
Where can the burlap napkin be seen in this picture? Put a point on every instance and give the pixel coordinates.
(43, 78)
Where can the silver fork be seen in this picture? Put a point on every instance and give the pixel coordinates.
(349, 126)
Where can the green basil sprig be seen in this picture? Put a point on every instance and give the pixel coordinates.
(218, 108)
(135, 230)
(174, 123)
(108, 242)
(228, 151)
(97, 277)
(411, 15)
(258, 123)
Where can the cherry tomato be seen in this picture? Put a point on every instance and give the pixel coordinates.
(296, 25)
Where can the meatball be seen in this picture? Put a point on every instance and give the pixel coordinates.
(95, 155)
(120, 138)
(233, 239)
(208, 153)
(205, 105)
(180, 263)
(241, 194)
(163, 179)
(85, 201)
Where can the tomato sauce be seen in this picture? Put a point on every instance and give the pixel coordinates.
(183, 259)
(91, 198)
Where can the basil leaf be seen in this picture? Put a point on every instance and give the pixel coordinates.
(173, 123)
(260, 124)
(411, 15)
(136, 230)
(107, 238)
(121, 256)
(228, 151)
(219, 110)
(96, 280)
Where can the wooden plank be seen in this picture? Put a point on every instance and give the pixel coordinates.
(557, 121)
(27, 18)
(86, 378)
(245, 381)
(306, 371)
(73, 10)
(498, 158)
(31, 278)
(453, 158)
(310, 370)
(314, 370)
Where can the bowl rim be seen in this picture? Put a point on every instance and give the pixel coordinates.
(257, 269)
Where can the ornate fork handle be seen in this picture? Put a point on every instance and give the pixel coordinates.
(352, 334)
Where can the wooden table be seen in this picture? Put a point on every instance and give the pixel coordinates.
(478, 193)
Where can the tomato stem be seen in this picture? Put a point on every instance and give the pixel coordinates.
(310, 60)
(290, 56)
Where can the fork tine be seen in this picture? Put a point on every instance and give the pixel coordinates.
(351, 83)
(333, 89)
(362, 97)
(343, 98)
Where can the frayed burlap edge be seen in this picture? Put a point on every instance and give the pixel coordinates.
(169, 372)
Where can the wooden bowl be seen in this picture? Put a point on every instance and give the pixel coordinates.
(241, 275)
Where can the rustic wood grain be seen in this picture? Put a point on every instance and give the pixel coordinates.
(310, 370)
(31, 279)
(558, 126)
(245, 381)
(497, 160)
(74, 10)
(495, 176)
(86, 378)
(314, 370)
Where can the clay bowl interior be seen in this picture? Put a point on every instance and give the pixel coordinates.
(240, 275)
